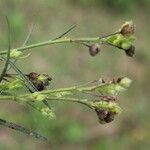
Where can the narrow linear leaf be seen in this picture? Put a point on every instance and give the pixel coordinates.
(8, 53)
(71, 28)
(28, 83)
(22, 129)
(25, 42)
(29, 35)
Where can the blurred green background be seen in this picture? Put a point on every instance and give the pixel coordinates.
(76, 127)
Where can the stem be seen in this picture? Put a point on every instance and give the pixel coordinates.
(24, 98)
(73, 88)
(62, 40)
(81, 101)
(22, 129)
(7, 97)
(68, 89)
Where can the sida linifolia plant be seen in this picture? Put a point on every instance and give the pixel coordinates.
(33, 88)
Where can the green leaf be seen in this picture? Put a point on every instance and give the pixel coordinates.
(121, 41)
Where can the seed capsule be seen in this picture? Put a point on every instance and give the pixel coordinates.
(39, 81)
(130, 51)
(94, 49)
(127, 29)
(32, 76)
(39, 85)
(105, 116)
(110, 117)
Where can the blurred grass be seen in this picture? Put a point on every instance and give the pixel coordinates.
(76, 127)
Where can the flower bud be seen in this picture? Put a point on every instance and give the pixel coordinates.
(45, 78)
(94, 49)
(124, 82)
(110, 89)
(16, 84)
(127, 29)
(48, 113)
(14, 54)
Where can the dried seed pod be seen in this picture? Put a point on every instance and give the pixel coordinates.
(94, 49)
(105, 116)
(130, 51)
(128, 28)
(102, 114)
(110, 117)
(39, 85)
(33, 76)
(39, 81)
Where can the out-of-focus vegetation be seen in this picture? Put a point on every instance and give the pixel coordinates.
(123, 6)
(75, 127)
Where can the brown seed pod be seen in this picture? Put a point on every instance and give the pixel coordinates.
(94, 49)
(101, 113)
(110, 117)
(127, 29)
(39, 84)
(105, 116)
(32, 75)
(130, 51)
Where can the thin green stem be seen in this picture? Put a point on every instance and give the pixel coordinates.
(7, 97)
(69, 89)
(81, 101)
(62, 40)
(26, 98)
(73, 88)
